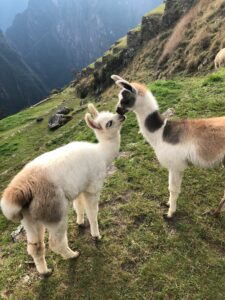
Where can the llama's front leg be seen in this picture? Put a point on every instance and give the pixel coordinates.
(91, 207)
(175, 179)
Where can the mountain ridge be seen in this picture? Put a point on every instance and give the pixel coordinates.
(70, 43)
(19, 86)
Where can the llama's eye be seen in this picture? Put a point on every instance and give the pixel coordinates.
(109, 124)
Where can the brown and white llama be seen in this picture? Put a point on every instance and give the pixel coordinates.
(200, 142)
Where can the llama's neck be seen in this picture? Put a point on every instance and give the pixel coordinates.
(149, 118)
(147, 106)
(110, 149)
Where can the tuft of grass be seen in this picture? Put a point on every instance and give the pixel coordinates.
(212, 79)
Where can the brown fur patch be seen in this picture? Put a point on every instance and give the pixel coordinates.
(18, 191)
(36, 194)
(175, 131)
(209, 134)
(141, 89)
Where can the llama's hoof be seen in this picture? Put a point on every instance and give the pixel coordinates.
(165, 204)
(96, 239)
(47, 274)
(81, 226)
(167, 218)
(212, 212)
(70, 255)
(74, 255)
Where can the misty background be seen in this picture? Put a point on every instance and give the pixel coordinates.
(44, 43)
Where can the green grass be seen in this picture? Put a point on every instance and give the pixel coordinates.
(136, 29)
(158, 10)
(140, 256)
(122, 43)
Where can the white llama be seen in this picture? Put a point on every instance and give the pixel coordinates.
(38, 196)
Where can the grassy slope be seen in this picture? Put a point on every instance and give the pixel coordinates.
(158, 10)
(140, 256)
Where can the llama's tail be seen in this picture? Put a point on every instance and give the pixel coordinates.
(14, 198)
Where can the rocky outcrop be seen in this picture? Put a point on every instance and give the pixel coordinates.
(150, 27)
(117, 57)
(63, 110)
(57, 121)
(174, 9)
(134, 39)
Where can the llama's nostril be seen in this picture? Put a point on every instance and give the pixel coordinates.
(122, 118)
(121, 111)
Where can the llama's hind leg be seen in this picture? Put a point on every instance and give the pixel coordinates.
(175, 180)
(35, 244)
(58, 241)
(91, 208)
(220, 207)
(78, 205)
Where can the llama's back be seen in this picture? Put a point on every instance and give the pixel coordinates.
(73, 167)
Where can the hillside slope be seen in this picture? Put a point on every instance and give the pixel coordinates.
(19, 86)
(140, 256)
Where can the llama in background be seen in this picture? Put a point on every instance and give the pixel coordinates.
(39, 195)
(200, 142)
(220, 59)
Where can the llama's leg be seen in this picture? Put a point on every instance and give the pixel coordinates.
(216, 66)
(175, 179)
(91, 207)
(220, 207)
(58, 241)
(78, 205)
(35, 244)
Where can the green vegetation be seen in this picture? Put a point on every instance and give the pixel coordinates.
(122, 43)
(158, 10)
(136, 29)
(141, 256)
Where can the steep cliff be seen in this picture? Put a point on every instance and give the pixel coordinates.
(8, 10)
(65, 35)
(182, 38)
(19, 87)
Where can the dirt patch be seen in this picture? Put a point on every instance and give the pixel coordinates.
(121, 199)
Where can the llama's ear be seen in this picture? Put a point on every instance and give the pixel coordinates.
(93, 110)
(126, 85)
(91, 123)
(116, 77)
(123, 83)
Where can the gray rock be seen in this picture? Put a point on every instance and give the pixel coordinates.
(64, 110)
(57, 121)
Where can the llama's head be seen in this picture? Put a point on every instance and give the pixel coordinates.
(133, 96)
(106, 125)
